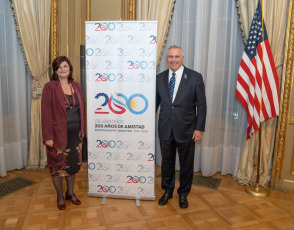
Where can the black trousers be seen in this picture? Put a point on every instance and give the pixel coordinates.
(186, 155)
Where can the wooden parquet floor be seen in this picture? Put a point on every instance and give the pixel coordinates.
(230, 207)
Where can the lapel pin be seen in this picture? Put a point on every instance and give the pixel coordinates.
(185, 76)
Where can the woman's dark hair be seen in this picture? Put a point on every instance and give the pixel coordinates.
(55, 65)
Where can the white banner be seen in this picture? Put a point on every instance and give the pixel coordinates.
(121, 77)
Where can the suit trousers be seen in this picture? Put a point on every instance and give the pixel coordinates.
(186, 156)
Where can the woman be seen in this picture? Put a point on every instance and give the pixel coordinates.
(63, 128)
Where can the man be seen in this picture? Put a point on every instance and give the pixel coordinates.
(180, 93)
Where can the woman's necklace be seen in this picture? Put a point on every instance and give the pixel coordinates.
(73, 98)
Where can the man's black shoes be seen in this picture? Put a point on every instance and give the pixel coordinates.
(183, 202)
(164, 199)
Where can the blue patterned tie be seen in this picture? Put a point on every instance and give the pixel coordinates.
(171, 85)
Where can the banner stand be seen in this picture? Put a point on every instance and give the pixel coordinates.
(121, 83)
(103, 201)
(138, 203)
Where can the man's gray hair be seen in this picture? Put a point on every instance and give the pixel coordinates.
(175, 47)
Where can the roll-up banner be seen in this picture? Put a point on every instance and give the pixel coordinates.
(121, 78)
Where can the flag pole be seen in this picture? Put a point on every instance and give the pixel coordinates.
(258, 190)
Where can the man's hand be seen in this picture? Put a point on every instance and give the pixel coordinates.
(49, 143)
(197, 135)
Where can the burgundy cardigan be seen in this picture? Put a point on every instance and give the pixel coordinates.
(53, 113)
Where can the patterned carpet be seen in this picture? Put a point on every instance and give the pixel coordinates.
(201, 181)
(14, 185)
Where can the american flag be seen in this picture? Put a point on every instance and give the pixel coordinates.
(258, 82)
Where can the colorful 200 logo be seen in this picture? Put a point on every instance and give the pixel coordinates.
(119, 103)
(105, 144)
(106, 189)
(136, 179)
(104, 26)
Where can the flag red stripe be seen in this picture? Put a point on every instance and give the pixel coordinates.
(264, 111)
(275, 109)
(245, 105)
(272, 63)
(268, 92)
(245, 86)
(248, 71)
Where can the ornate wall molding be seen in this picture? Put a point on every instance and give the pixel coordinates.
(292, 158)
(88, 16)
(54, 30)
(286, 87)
(131, 10)
(123, 9)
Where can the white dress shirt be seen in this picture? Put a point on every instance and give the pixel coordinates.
(179, 74)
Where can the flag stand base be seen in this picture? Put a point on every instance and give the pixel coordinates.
(257, 190)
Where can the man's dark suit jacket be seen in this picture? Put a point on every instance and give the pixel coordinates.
(181, 116)
(53, 113)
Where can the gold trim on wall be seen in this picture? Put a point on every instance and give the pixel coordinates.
(88, 10)
(123, 8)
(292, 166)
(54, 30)
(283, 121)
(289, 181)
(131, 9)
